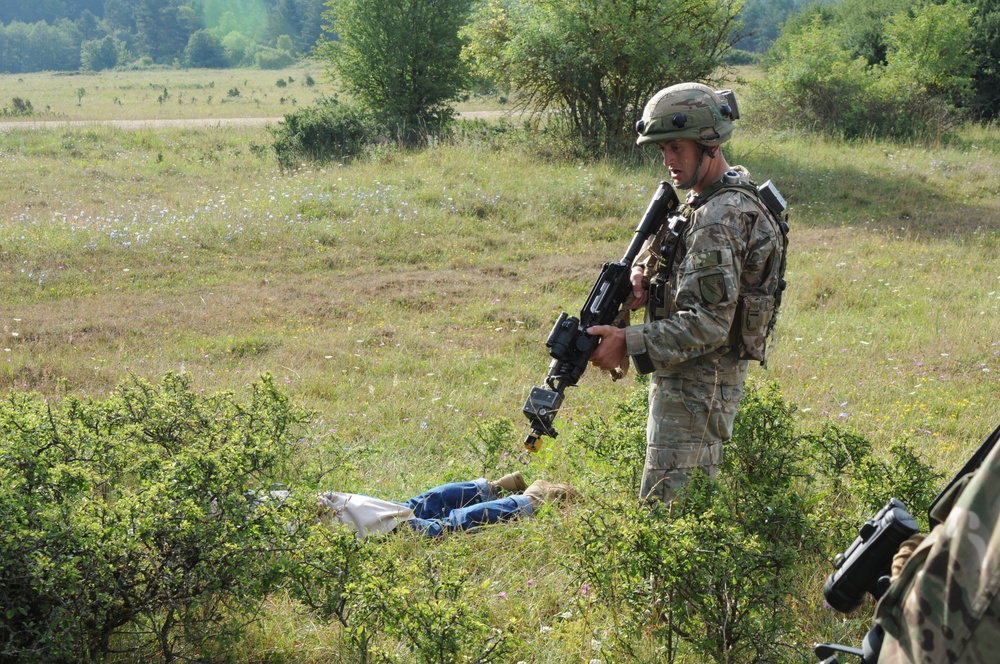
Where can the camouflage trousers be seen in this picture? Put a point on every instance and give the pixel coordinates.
(689, 420)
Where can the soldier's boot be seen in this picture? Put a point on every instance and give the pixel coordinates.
(541, 492)
(511, 483)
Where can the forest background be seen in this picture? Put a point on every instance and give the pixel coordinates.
(67, 35)
(357, 299)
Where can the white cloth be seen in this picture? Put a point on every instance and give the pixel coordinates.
(366, 515)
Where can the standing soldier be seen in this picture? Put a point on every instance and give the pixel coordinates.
(711, 283)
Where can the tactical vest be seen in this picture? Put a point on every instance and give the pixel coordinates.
(758, 304)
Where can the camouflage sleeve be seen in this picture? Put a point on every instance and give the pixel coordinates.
(707, 287)
(944, 607)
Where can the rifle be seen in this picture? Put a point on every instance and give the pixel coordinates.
(568, 342)
(865, 566)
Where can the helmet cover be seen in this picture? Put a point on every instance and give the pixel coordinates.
(687, 111)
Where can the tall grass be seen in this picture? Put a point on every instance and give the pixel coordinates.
(406, 299)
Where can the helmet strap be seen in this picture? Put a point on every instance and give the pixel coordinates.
(693, 180)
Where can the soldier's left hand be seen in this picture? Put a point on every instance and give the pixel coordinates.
(639, 294)
(612, 349)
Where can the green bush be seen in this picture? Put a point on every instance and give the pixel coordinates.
(815, 83)
(494, 448)
(738, 56)
(272, 58)
(130, 524)
(204, 50)
(100, 54)
(327, 131)
(146, 524)
(18, 107)
(817, 79)
(400, 59)
(239, 49)
(726, 572)
(432, 609)
(383, 598)
(857, 476)
(719, 573)
(618, 442)
(596, 64)
(339, 578)
(986, 45)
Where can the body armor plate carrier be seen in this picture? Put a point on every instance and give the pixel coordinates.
(758, 304)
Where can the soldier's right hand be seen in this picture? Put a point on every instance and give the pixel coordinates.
(906, 550)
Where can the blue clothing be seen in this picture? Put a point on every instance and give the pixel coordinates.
(462, 506)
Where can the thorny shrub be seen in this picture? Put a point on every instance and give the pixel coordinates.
(424, 603)
(134, 524)
(721, 574)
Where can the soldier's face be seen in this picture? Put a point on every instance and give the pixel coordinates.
(682, 158)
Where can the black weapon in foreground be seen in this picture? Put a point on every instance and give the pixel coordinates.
(864, 568)
(569, 344)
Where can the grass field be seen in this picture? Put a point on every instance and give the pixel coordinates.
(167, 93)
(407, 298)
(176, 94)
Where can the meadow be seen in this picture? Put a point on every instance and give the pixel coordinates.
(174, 94)
(157, 93)
(406, 298)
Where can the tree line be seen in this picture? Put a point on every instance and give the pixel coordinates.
(69, 35)
(900, 68)
(909, 69)
(41, 35)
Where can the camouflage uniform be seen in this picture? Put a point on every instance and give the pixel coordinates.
(688, 341)
(945, 606)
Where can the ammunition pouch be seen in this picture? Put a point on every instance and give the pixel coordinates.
(751, 326)
(757, 309)
(658, 307)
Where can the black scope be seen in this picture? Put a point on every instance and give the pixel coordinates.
(866, 565)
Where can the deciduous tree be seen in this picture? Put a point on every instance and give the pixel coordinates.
(399, 58)
(163, 28)
(818, 77)
(599, 62)
(986, 46)
(204, 50)
(99, 54)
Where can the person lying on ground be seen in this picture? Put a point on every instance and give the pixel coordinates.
(452, 507)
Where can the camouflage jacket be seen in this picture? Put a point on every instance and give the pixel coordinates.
(715, 258)
(945, 607)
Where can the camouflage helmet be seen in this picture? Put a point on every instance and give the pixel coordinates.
(688, 111)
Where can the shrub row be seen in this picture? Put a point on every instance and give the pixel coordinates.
(146, 524)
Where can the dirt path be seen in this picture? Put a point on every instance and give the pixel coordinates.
(135, 125)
